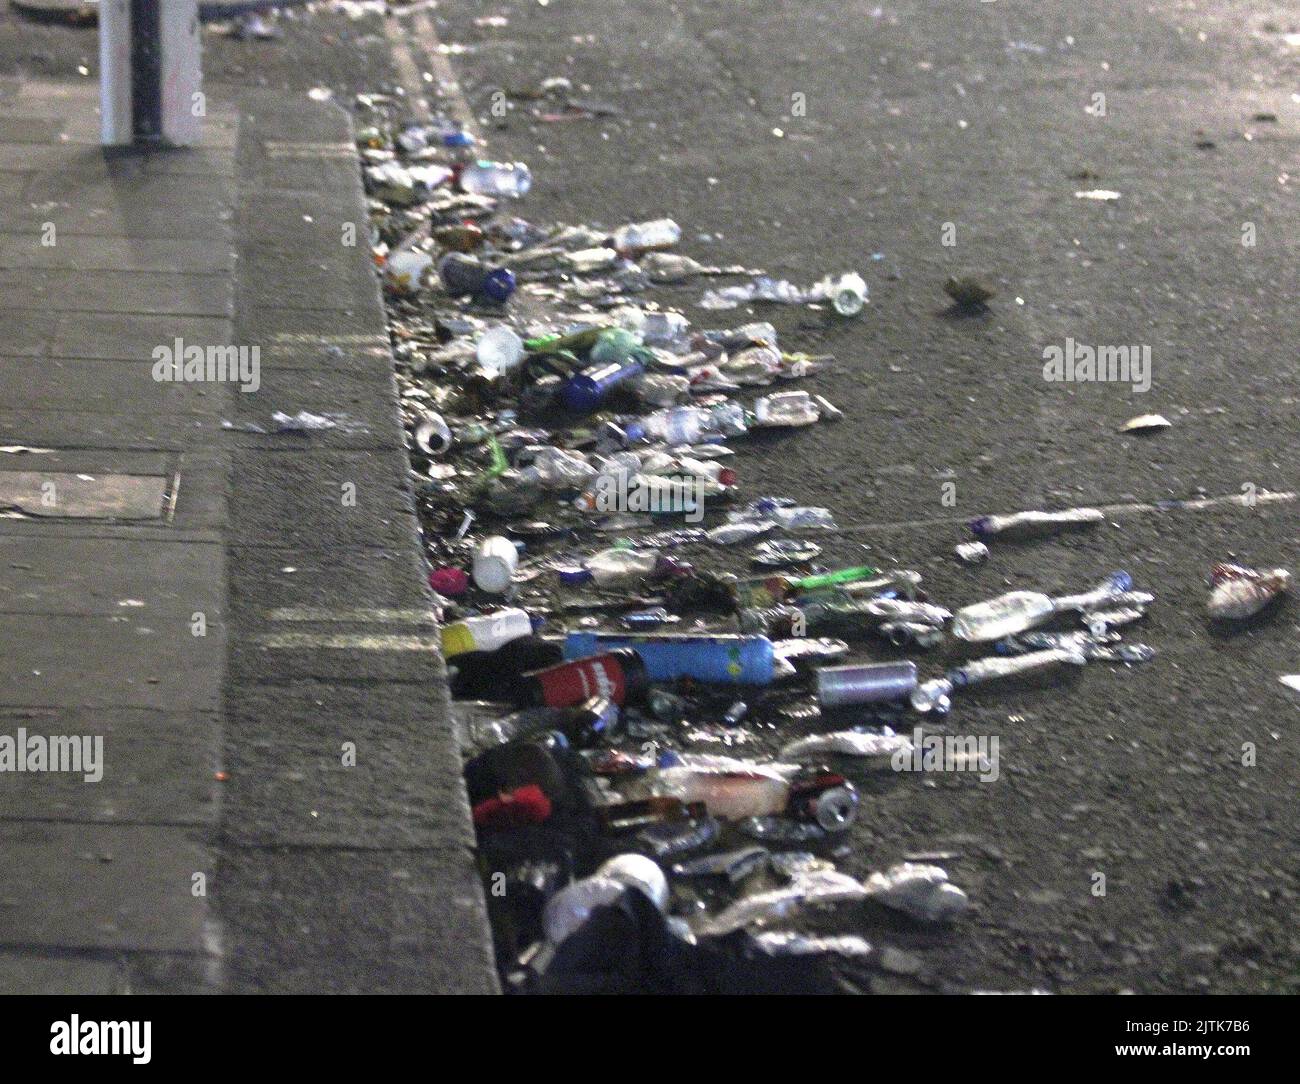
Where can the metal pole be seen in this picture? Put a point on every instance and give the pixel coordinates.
(150, 76)
(116, 127)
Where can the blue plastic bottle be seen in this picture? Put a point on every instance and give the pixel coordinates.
(584, 392)
(463, 275)
(723, 659)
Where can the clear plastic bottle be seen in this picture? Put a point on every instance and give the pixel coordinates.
(589, 260)
(680, 425)
(727, 420)
(555, 468)
(639, 236)
(619, 565)
(664, 328)
(935, 695)
(663, 389)
(484, 178)
(786, 408)
(1002, 616)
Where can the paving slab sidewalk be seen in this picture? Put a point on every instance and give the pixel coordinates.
(276, 812)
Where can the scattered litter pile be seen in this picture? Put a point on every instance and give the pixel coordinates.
(570, 441)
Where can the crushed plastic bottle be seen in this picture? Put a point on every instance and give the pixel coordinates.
(555, 468)
(1028, 524)
(881, 747)
(735, 865)
(728, 534)
(762, 288)
(935, 695)
(620, 565)
(643, 236)
(794, 943)
(807, 889)
(920, 891)
(1095, 647)
(665, 328)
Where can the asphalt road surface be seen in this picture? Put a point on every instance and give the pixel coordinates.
(812, 138)
(806, 138)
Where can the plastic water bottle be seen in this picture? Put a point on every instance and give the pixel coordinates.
(639, 236)
(1002, 616)
(786, 408)
(935, 695)
(620, 565)
(680, 425)
(663, 389)
(484, 178)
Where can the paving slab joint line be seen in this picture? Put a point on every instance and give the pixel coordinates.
(469, 959)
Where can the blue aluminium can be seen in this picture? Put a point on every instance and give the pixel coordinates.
(584, 392)
(722, 660)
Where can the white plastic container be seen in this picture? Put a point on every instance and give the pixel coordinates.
(495, 564)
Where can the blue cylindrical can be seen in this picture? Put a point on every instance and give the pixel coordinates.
(584, 392)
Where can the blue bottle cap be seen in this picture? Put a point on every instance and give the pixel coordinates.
(580, 394)
(499, 285)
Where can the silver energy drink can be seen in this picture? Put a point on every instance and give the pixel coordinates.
(865, 684)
